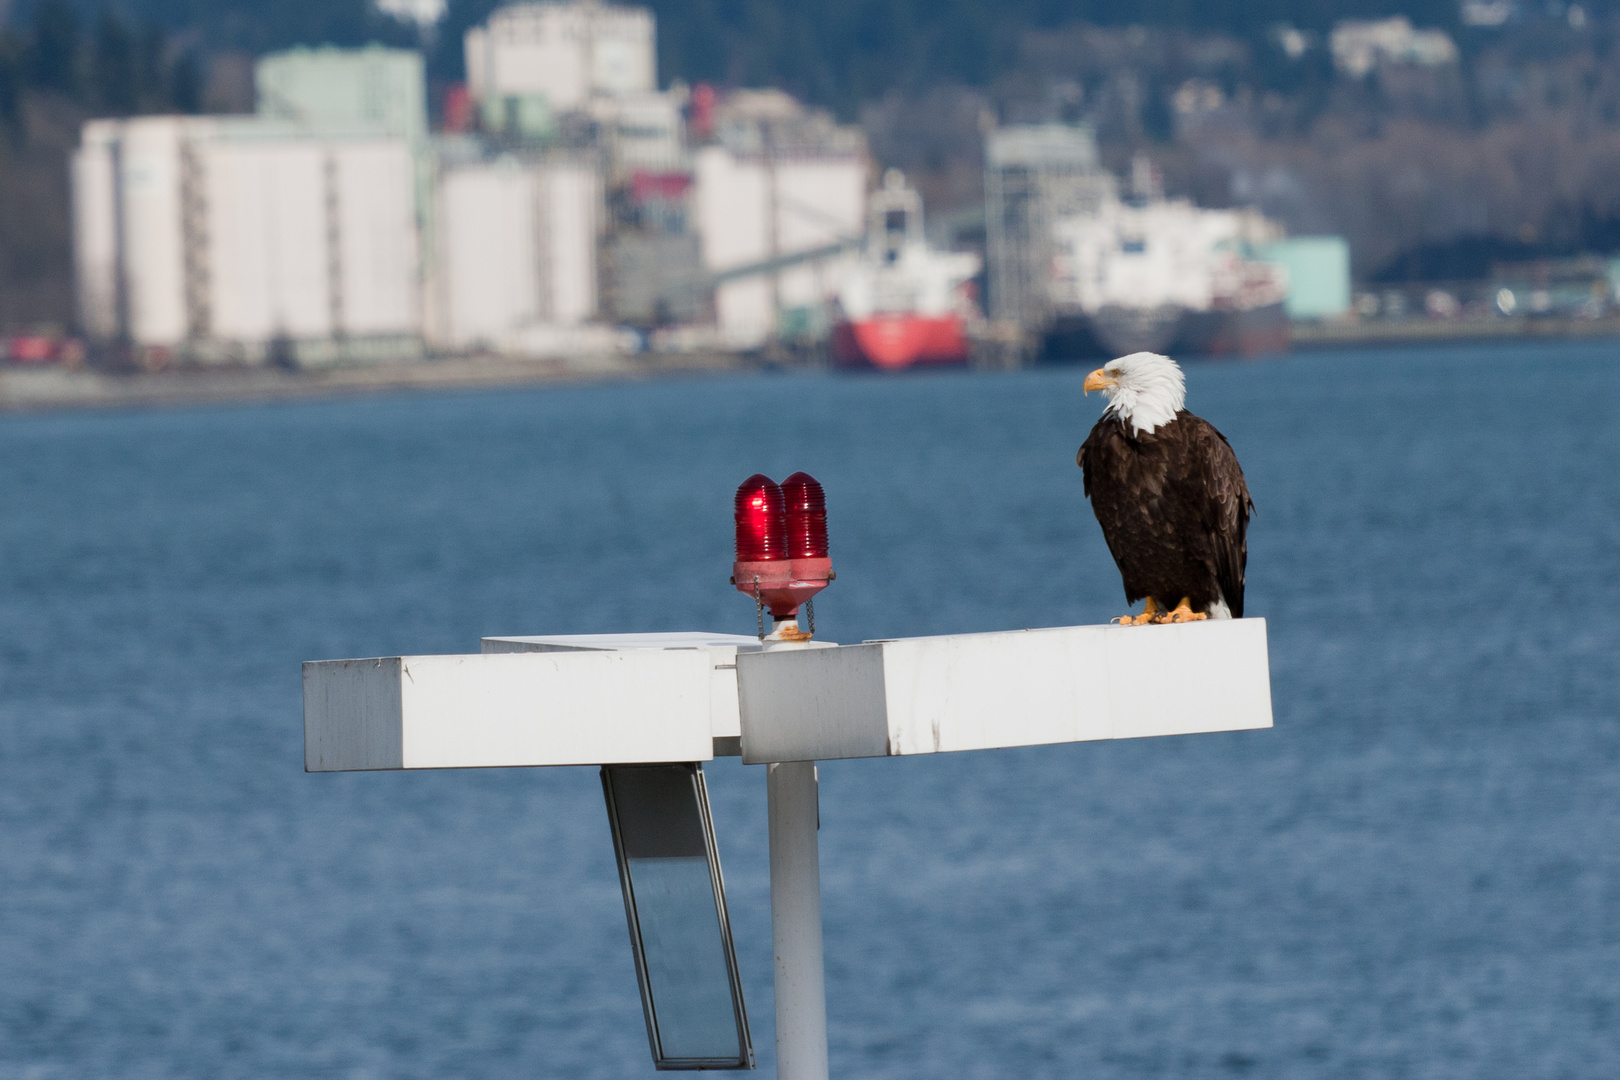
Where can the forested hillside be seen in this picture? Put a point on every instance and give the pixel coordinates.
(834, 52)
(844, 52)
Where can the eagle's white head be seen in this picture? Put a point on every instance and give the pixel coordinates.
(1145, 390)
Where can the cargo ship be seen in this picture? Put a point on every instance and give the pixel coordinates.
(1146, 273)
(903, 304)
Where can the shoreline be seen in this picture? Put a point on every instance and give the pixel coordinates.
(1417, 331)
(57, 389)
(54, 389)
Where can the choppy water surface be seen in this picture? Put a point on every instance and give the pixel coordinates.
(1414, 874)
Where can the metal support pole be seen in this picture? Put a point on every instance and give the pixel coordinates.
(801, 991)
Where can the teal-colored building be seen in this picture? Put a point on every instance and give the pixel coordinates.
(371, 88)
(1318, 274)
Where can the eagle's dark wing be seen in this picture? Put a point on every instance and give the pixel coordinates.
(1221, 495)
(1080, 460)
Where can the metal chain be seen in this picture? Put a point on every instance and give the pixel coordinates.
(759, 609)
(810, 607)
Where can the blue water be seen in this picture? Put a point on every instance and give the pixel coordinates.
(1415, 874)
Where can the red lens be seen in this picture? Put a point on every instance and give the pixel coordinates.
(806, 517)
(761, 522)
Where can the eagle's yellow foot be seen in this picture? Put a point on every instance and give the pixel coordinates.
(1151, 612)
(1182, 612)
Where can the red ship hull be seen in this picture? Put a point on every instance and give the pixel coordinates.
(892, 342)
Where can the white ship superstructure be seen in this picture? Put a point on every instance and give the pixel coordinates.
(902, 302)
(1093, 271)
(899, 273)
(1165, 252)
(1144, 272)
(1149, 252)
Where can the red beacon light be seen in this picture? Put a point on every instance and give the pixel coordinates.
(782, 557)
(761, 521)
(806, 517)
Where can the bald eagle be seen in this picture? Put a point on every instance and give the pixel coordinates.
(1169, 494)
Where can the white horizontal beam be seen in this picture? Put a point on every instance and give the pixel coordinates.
(534, 708)
(621, 699)
(1020, 688)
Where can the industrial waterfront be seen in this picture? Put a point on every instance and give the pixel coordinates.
(565, 205)
(555, 205)
(1412, 874)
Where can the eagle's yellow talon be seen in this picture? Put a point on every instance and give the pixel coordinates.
(1183, 612)
(1150, 612)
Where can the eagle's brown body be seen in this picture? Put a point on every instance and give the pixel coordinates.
(1174, 509)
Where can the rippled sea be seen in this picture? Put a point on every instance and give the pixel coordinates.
(1416, 873)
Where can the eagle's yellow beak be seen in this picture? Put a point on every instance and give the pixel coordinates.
(1098, 380)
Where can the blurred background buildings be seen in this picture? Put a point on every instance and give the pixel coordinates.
(353, 182)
